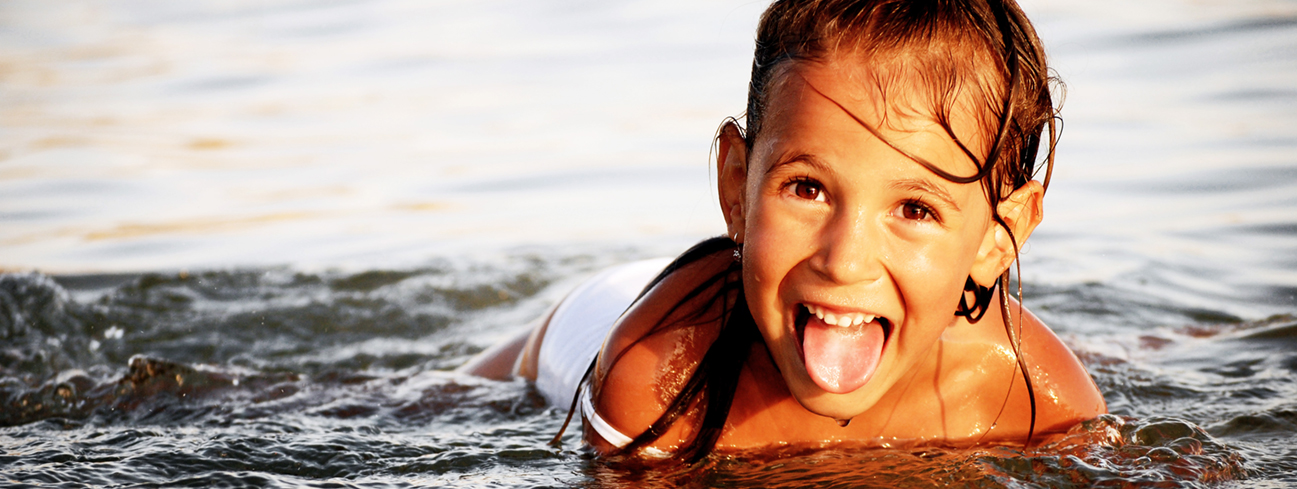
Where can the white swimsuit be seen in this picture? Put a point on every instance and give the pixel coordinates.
(577, 331)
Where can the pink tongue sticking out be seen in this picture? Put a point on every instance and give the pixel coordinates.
(841, 359)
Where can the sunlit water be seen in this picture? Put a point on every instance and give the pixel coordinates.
(271, 229)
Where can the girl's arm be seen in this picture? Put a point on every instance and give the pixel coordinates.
(1065, 392)
(652, 351)
(513, 358)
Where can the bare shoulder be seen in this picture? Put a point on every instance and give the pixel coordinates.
(653, 349)
(1064, 391)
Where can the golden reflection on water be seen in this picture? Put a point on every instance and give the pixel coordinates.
(212, 225)
(206, 144)
(191, 226)
(196, 226)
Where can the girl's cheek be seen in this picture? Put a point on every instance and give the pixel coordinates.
(930, 274)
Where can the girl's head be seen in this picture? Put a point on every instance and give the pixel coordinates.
(946, 52)
(888, 158)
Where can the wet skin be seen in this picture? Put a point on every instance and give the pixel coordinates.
(834, 220)
(830, 216)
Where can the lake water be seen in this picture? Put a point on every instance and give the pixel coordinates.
(250, 240)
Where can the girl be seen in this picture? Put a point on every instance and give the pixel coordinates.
(874, 203)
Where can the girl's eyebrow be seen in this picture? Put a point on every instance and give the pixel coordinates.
(923, 185)
(804, 158)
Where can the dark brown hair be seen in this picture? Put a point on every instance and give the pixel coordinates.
(986, 49)
(983, 52)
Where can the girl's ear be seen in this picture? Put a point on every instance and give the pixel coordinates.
(731, 177)
(1021, 211)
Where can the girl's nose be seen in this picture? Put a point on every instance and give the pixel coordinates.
(849, 250)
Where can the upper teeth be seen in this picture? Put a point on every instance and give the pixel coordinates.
(843, 319)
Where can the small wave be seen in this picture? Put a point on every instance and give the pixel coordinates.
(1161, 451)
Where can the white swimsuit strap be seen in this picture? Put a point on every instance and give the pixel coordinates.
(605, 430)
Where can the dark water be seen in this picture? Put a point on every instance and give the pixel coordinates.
(283, 378)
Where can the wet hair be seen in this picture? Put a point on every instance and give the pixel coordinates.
(979, 52)
(983, 49)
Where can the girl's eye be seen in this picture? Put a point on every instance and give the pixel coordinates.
(808, 190)
(915, 211)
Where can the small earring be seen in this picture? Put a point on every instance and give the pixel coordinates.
(738, 255)
(981, 300)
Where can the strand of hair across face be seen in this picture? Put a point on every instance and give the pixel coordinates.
(982, 170)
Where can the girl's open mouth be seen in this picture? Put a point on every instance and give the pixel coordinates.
(840, 351)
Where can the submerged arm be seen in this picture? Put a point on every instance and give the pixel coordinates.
(515, 357)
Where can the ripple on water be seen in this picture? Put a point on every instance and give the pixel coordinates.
(1109, 450)
(289, 399)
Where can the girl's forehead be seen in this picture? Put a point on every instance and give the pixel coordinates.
(835, 100)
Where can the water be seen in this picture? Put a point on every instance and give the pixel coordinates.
(267, 231)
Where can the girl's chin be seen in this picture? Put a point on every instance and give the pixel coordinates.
(835, 406)
(841, 414)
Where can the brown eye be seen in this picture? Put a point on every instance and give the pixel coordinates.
(915, 211)
(809, 191)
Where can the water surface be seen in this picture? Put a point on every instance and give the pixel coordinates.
(250, 240)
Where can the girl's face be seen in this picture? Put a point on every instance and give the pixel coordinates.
(854, 256)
